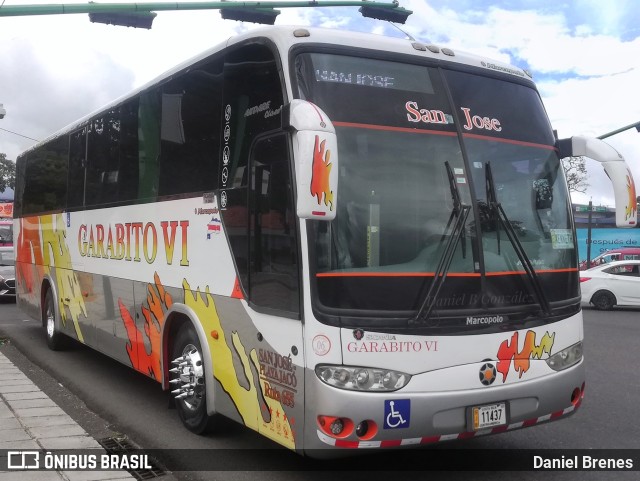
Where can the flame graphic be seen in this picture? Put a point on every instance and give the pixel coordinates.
(321, 169)
(632, 210)
(159, 301)
(69, 292)
(41, 248)
(521, 359)
(29, 265)
(258, 411)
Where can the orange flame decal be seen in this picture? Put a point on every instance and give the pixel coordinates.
(632, 210)
(29, 262)
(521, 359)
(321, 171)
(159, 301)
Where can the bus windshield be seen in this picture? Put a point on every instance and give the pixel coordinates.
(411, 139)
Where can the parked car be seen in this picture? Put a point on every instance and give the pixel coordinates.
(7, 273)
(619, 254)
(614, 284)
(6, 232)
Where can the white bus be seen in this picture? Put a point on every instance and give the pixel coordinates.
(339, 240)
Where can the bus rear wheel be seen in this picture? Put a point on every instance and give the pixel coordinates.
(188, 381)
(55, 339)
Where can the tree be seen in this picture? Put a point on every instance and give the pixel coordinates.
(575, 171)
(7, 173)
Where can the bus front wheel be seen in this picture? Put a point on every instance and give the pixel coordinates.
(188, 381)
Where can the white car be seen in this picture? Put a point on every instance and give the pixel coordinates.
(7, 273)
(613, 284)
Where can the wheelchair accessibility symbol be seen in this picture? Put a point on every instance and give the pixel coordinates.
(397, 413)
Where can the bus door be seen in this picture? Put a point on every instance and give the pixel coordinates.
(256, 202)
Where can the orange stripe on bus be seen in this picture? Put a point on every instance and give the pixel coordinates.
(432, 274)
(388, 128)
(509, 141)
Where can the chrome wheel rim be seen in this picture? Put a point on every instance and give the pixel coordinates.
(51, 321)
(190, 378)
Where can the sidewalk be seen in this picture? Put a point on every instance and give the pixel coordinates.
(30, 420)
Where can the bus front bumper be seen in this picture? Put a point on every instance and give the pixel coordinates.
(433, 417)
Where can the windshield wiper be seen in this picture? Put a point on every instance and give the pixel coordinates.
(498, 213)
(460, 212)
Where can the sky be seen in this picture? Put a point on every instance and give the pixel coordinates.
(584, 56)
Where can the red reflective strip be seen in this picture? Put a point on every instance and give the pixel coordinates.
(467, 435)
(430, 439)
(557, 414)
(347, 444)
(499, 429)
(390, 443)
(530, 422)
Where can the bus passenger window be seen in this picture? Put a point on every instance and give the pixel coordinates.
(77, 163)
(190, 131)
(128, 152)
(46, 175)
(101, 184)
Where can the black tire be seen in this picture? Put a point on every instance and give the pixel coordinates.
(603, 300)
(187, 367)
(55, 339)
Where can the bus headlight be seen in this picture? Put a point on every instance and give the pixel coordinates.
(362, 378)
(566, 358)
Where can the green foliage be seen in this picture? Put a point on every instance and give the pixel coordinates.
(575, 171)
(7, 173)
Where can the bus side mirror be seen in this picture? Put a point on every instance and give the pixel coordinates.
(315, 153)
(616, 169)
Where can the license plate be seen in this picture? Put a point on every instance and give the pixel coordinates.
(489, 416)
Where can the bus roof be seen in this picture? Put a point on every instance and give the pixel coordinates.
(285, 37)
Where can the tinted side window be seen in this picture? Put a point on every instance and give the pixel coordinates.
(45, 178)
(252, 105)
(253, 102)
(190, 129)
(21, 167)
(128, 165)
(101, 181)
(77, 163)
(273, 277)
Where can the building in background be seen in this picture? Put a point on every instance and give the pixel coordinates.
(604, 233)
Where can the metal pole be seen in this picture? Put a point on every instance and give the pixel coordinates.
(609, 134)
(57, 9)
